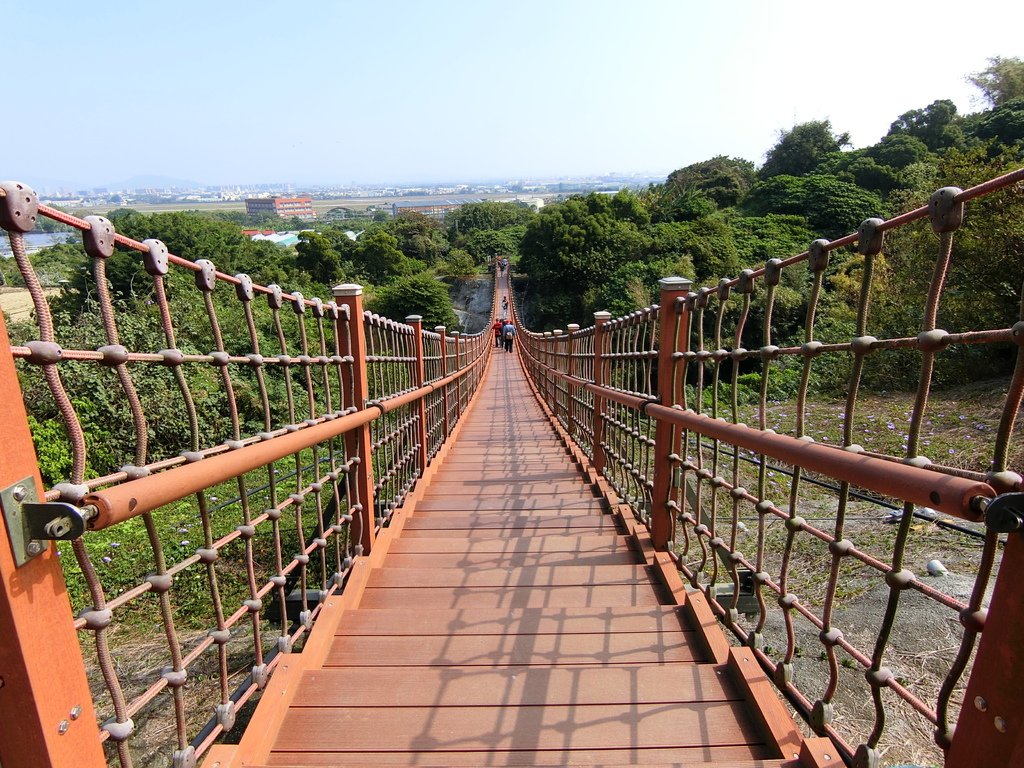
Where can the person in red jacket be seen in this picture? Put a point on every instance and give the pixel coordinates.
(496, 328)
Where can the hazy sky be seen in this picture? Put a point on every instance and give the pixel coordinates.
(222, 91)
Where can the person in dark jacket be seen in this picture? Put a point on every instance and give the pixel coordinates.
(508, 333)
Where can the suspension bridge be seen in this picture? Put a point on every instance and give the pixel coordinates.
(440, 554)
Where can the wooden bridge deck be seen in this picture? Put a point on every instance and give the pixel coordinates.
(510, 619)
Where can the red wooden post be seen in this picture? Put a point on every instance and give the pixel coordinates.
(601, 348)
(440, 330)
(46, 708)
(419, 377)
(556, 363)
(667, 436)
(358, 441)
(570, 369)
(990, 730)
(458, 367)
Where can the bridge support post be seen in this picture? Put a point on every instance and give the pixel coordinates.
(419, 375)
(602, 346)
(560, 408)
(358, 442)
(46, 708)
(672, 338)
(440, 330)
(990, 729)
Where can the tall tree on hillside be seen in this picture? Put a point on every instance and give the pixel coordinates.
(724, 180)
(802, 149)
(937, 125)
(1001, 81)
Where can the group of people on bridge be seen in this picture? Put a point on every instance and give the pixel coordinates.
(504, 333)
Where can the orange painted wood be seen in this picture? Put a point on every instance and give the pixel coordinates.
(578, 543)
(532, 621)
(679, 757)
(529, 597)
(513, 650)
(523, 728)
(770, 714)
(537, 504)
(820, 752)
(530, 686)
(506, 578)
(507, 485)
(42, 673)
(996, 676)
(473, 561)
(509, 522)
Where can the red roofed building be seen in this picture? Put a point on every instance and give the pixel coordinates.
(285, 207)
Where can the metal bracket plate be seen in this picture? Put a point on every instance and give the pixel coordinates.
(31, 524)
(12, 498)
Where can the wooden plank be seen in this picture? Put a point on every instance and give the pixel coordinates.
(529, 686)
(513, 650)
(768, 711)
(341, 729)
(473, 535)
(499, 486)
(474, 561)
(726, 757)
(510, 521)
(533, 621)
(575, 543)
(547, 597)
(541, 504)
(506, 578)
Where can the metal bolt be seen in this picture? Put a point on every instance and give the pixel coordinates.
(76, 712)
(58, 527)
(33, 548)
(980, 704)
(1000, 724)
(19, 493)
(63, 727)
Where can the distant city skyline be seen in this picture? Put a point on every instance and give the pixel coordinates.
(466, 90)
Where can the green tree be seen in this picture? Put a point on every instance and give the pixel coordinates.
(485, 216)
(486, 244)
(319, 258)
(723, 180)
(1004, 124)
(937, 126)
(378, 257)
(802, 149)
(831, 206)
(1001, 81)
(419, 294)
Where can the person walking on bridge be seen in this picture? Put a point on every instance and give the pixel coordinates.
(496, 328)
(508, 333)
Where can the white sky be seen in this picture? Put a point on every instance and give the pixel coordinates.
(403, 91)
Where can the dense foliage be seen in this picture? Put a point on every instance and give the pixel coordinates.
(713, 218)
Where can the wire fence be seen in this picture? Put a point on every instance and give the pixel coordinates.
(765, 513)
(312, 419)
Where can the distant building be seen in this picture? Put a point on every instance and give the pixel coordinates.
(285, 207)
(283, 239)
(437, 209)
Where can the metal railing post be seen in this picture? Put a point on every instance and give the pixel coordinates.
(440, 330)
(601, 348)
(667, 437)
(45, 705)
(419, 376)
(358, 442)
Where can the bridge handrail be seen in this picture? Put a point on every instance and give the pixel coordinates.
(323, 439)
(651, 399)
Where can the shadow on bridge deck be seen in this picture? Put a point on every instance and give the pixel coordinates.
(508, 618)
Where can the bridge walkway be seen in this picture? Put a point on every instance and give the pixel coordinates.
(510, 619)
